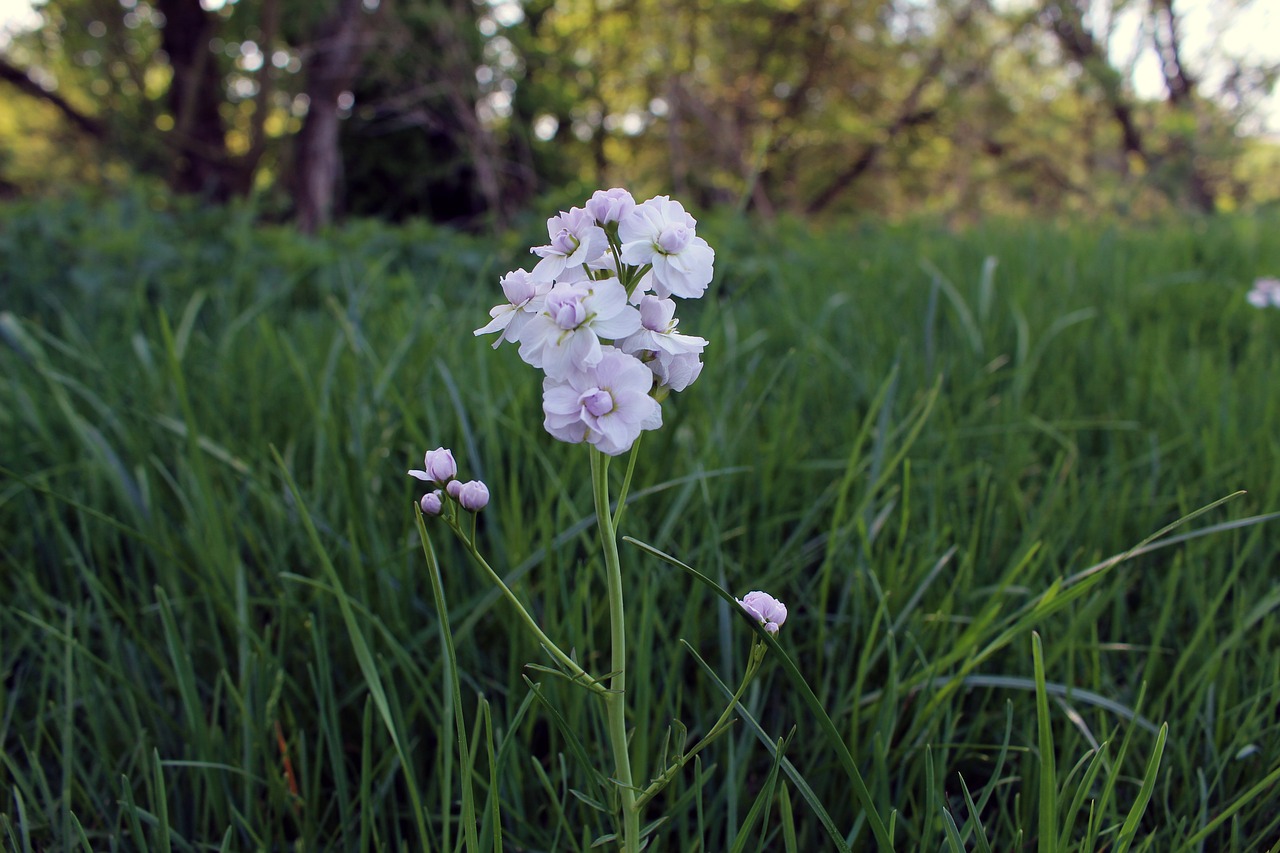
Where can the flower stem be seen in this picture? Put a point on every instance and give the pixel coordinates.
(626, 482)
(758, 651)
(579, 675)
(616, 699)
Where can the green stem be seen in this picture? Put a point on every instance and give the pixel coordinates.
(615, 700)
(580, 676)
(758, 651)
(626, 482)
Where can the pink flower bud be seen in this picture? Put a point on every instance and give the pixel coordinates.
(431, 503)
(765, 609)
(610, 205)
(439, 467)
(473, 495)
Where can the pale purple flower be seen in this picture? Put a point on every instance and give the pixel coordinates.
(524, 298)
(564, 336)
(608, 406)
(610, 205)
(453, 488)
(1266, 292)
(674, 358)
(439, 465)
(661, 233)
(675, 372)
(473, 495)
(765, 609)
(575, 240)
(432, 503)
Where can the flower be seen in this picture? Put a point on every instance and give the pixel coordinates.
(610, 205)
(575, 240)
(564, 336)
(608, 406)
(673, 357)
(439, 465)
(1266, 291)
(524, 298)
(432, 503)
(765, 609)
(473, 495)
(661, 233)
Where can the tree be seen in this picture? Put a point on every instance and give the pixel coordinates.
(461, 110)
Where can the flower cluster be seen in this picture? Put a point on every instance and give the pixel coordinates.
(596, 315)
(765, 609)
(440, 468)
(1266, 292)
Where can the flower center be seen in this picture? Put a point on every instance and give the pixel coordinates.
(565, 242)
(673, 239)
(567, 309)
(598, 402)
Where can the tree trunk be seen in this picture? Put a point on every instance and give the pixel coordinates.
(1181, 86)
(201, 163)
(317, 167)
(1066, 20)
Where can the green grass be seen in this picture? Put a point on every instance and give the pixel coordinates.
(919, 440)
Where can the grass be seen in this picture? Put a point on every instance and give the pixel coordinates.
(219, 631)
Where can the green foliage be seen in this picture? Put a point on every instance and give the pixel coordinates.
(918, 439)
(463, 111)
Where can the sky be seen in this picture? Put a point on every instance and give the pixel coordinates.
(15, 14)
(1252, 31)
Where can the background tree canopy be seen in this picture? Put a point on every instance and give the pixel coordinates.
(463, 111)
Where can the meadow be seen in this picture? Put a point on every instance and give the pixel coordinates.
(217, 631)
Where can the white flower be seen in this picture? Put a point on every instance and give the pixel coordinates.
(524, 298)
(1266, 292)
(564, 337)
(607, 406)
(575, 240)
(659, 232)
(765, 609)
(673, 357)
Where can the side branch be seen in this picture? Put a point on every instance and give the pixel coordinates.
(22, 79)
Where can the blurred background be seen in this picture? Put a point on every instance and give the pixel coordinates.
(468, 112)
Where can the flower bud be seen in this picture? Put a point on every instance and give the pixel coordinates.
(473, 495)
(439, 467)
(610, 205)
(431, 503)
(765, 609)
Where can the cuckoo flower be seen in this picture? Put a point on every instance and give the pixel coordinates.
(440, 467)
(564, 337)
(432, 503)
(1266, 291)
(765, 609)
(607, 406)
(673, 357)
(610, 205)
(659, 232)
(575, 240)
(473, 495)
(524, 298)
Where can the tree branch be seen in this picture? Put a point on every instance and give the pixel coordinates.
(22, 79)
(909, 115)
